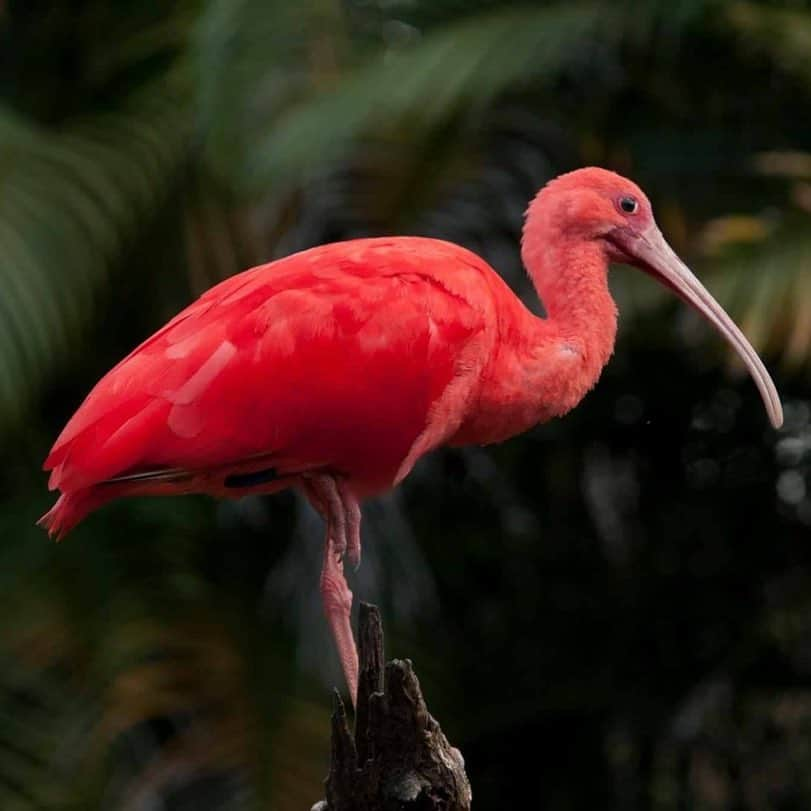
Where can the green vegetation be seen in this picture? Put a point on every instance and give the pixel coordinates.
(623, 595)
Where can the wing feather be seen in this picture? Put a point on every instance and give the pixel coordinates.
(334, 356)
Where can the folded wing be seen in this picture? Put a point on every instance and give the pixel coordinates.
(337, 357)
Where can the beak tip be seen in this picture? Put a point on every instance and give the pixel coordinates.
(776, 414)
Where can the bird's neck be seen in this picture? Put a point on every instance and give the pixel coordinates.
(573, 344)
(571, 280)
(543, 367)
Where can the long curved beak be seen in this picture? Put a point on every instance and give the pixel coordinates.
(651, 252)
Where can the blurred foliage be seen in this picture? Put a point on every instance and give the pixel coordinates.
(621, 595)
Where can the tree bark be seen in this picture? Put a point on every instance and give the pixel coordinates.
(398, 758)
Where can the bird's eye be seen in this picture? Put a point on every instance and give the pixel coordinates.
(628, 205)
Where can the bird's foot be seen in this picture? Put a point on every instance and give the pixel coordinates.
(352, 523)
(333, 500)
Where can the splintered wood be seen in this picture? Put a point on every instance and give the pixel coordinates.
(399, 757)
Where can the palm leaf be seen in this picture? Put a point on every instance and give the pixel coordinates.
(458, 68)
(271, 51)
(70, 203)
(766, 286)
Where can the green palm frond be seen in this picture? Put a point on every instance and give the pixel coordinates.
(459, 68)
(766, 287)
(70, 204)
(274, 52)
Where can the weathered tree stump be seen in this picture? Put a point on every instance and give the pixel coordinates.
(398, 759)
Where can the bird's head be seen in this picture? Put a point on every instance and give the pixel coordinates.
(600, 208)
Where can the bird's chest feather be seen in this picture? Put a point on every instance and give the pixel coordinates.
(522, 388)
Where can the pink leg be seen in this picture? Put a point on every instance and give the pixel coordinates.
(341, 513)
(337, 600)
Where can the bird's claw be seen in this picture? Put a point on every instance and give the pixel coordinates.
(339, 547)
(353, 556)
(349, 552)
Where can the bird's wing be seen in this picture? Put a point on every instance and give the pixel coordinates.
(349, 355)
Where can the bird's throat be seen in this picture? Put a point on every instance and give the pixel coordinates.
(572, 282)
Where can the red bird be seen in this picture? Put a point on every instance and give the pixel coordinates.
(335, 369)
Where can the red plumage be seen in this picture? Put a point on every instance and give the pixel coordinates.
(333, 357)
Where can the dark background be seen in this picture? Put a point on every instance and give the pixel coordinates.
(612, 611)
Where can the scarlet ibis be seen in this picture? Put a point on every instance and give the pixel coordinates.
(335, 369)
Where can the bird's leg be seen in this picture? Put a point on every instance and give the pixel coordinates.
(337, 600)
(323, 493)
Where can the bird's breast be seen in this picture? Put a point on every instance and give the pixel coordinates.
(524, 386)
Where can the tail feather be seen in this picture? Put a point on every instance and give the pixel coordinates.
(255, 475)
(71, 508)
